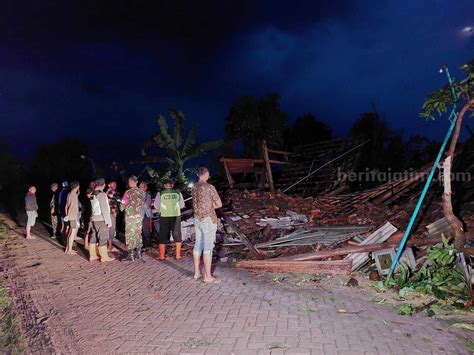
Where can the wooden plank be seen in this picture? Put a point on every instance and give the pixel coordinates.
(242, 160)
(267, 165)
(255, 252)
(278, 162)
(360, 249)
(339, 267)
(278, 152)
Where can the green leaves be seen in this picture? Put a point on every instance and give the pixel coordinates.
(441, 277)
(438, 101)
(405, 309)
(175, 152)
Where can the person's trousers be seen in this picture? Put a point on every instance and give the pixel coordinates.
(170, 226)
(146, 231)
(100, 233)
(113, 228)
(54, 223)
(205, 236)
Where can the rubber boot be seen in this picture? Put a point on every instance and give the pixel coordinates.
(130, 256)
(162, 251)
(178, 250)
(104, 254)
(93, 252)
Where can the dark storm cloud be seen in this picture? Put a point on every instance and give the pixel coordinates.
(66, 66)
(197, 23)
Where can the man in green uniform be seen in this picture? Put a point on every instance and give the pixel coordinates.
(133, 202)
(169, 202)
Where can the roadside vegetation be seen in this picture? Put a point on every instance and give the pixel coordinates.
(10, 340)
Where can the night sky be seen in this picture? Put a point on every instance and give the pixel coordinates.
(102, 71)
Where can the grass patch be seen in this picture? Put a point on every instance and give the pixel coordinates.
(3, 231)
(9, 333)
(470, 345)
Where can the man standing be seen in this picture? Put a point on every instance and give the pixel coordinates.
(53, 206)
(169, 202)
(114, 199)
(72, 217)
(62, 210)
(101, 222)
(205, 201)
(87, 215)
(134, 202)
(146, 214)
(31, 208)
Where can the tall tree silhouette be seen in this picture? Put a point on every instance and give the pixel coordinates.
(306, 130)
(250, 120)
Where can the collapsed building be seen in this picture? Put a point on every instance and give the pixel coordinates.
(308, 219)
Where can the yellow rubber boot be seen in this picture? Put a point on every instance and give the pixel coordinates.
(93, 252)
(161, 251)
(178, 250)
(104, 254)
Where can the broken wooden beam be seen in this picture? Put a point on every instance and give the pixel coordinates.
(360, 249)
(243, 238)
(338, 267)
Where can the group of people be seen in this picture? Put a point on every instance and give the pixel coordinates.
(99, 210)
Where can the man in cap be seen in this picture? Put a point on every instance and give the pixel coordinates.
(133, 202)
(101, 222)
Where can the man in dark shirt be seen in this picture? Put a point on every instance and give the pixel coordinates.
(62, 210)
(54, 205)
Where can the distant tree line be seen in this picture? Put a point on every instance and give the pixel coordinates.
(251, 119)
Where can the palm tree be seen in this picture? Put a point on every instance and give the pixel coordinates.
(178, 151)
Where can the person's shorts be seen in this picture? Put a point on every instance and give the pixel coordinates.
(205, 235)
(74, 224)
(31, 218)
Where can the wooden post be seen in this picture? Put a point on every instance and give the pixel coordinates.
(267, 165)
(227, 173)
(243, 238)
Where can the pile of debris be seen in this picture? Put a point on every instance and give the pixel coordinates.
(338, 234)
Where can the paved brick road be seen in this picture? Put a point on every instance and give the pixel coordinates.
(72, 306)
